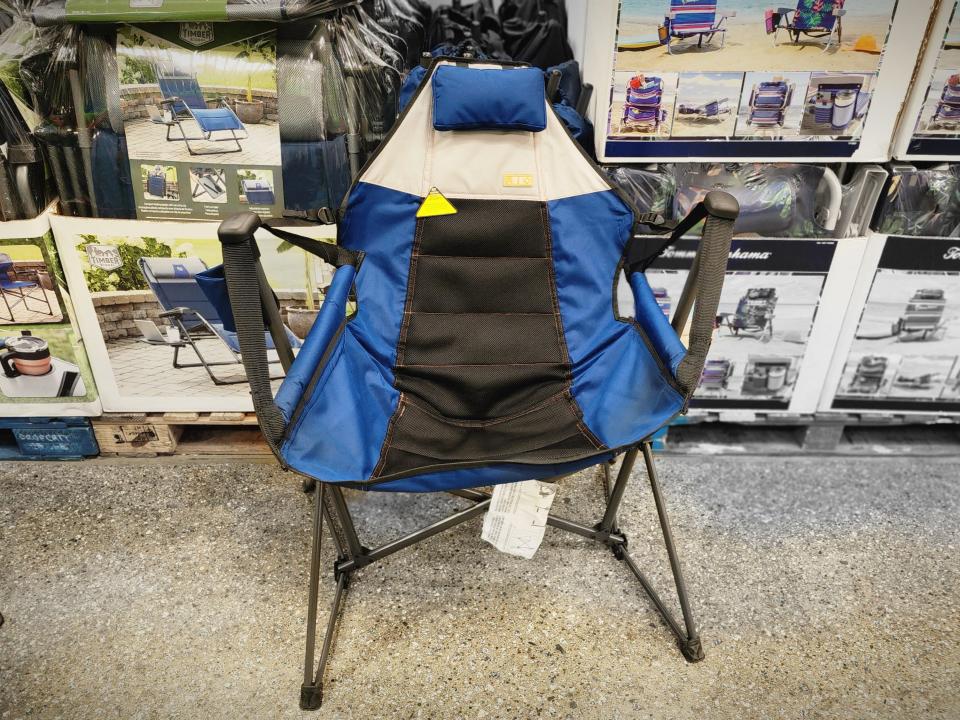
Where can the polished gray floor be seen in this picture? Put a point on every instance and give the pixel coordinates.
(825, 588)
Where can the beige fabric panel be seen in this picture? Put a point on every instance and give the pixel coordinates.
(481, 164)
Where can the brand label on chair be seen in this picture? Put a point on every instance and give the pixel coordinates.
(518, 180)
(517, 517)
(435, 204)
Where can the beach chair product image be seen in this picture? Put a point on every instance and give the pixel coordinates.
(191, 298)
(209, 182)
(815, 19)
(947, 114)
(868, 378)
(754, 314)
(15, 290)
(923, 317)
(258, 192)
(642, 108)
(713, 110)
(663, 300)
(693, 19)
(716, 375)
(836, 101)
(183, 101)
(769, 102)
(482, 248)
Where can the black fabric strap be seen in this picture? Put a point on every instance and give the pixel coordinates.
(328, 252)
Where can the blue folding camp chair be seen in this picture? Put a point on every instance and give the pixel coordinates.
(694, 18)
(190, 294)
(15, 290)
(183, 100)
(258, 192)
(482, 247)
(810, 18)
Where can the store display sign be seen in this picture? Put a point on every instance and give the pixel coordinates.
(751, 80)
(155, 337)
(201, 119)
(937, 129)
(905, 353)
(43, 365)
(770, 301)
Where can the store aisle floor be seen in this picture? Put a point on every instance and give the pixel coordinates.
(825, 588)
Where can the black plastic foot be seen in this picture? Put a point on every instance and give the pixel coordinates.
(311, 697)
(692, 649)
(309, 484)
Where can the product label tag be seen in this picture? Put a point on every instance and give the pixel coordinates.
(517, 518)
(435, 204)
(518, 180)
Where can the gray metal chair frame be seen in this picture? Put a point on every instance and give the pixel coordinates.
(254, 306)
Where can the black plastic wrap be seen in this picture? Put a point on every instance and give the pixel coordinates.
(922, 201)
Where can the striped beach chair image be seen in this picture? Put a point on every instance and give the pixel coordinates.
(694, 19)
(642, 109)
(769, 102)
(713, 110)
(947, 114)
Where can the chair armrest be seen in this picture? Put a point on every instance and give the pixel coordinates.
(254, 306)
(170, 101)
(839, 12)
(701, 292)
(177, 312)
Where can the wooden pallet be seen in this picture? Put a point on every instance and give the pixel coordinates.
(153, 434)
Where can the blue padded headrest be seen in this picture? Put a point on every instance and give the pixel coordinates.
(467, 98)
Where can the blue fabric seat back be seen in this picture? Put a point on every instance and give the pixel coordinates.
(485, 346)
(187, 89)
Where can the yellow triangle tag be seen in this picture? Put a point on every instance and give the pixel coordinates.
(435, 204)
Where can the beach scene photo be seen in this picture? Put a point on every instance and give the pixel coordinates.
(836, 104)
(771, 106)
(707, 104)
(744, 35)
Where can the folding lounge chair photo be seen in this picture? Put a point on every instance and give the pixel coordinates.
(713, 110)
(484, 348)
(187, 293)
(694, 18)
(14, 290)
(769, 102)
(183, 101)
(811, 18)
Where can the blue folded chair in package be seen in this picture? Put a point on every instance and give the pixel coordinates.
(481, 247)
(258, 192)
(193, 300)
(183, 101)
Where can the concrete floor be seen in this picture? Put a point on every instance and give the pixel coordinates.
(825, 587)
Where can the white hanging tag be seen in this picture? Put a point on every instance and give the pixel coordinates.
(517, 517)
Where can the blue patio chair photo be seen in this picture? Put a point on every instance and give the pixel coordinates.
(258, 192)
(191, 299)
(484, 347)
(810, 18)
(183, 101)
(15, 290)
(694, 19)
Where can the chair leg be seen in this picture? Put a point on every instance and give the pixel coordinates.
(688, 637)
(311, 691)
